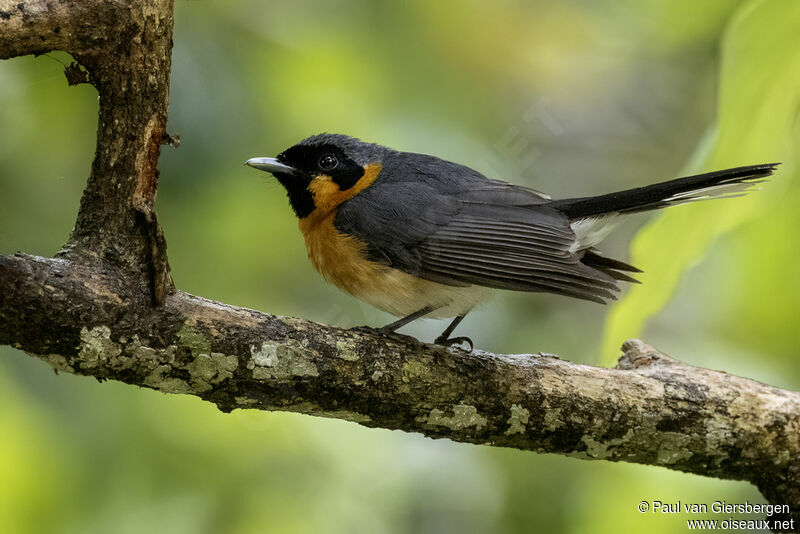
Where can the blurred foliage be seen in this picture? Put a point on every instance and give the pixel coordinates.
(570, 97)
(757, 110)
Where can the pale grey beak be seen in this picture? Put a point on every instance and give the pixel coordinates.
(270, 165)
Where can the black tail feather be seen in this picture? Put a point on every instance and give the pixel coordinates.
(690, 188)
(614, 268)
(595, 259)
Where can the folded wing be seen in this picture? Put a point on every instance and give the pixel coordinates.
(497, 236)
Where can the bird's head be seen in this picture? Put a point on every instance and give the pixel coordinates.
(324, 170)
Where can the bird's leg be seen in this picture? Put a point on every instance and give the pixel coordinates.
(391, 327)
(446, 340)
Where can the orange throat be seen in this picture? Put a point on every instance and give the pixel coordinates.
(328, 197)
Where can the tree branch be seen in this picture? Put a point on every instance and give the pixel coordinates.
(125, 46)
(40, 26)
(103, 308)
(650, 409)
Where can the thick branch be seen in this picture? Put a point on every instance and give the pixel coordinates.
(651, 409)
(125, 47)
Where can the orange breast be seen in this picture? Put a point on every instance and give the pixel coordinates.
(339, 258)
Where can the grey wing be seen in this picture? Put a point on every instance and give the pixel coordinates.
(485, 236)
(512, 248)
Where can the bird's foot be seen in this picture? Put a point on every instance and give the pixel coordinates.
(388, 333)
(450, 341)
(365, 329)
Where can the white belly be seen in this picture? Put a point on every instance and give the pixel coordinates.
(402, 294)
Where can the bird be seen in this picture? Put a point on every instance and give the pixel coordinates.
(418, 236)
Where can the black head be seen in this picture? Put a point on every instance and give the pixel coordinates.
(340, 158)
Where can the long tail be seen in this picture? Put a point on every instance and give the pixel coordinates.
(717, 184)
(593, 218)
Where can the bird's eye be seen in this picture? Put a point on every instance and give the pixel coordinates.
(328, 162)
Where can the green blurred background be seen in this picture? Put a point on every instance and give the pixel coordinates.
(570, 97)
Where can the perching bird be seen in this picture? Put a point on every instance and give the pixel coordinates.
(418, 236)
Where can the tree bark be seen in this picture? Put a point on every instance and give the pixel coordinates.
(106, 307)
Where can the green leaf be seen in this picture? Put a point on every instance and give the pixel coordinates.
(759, 94)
